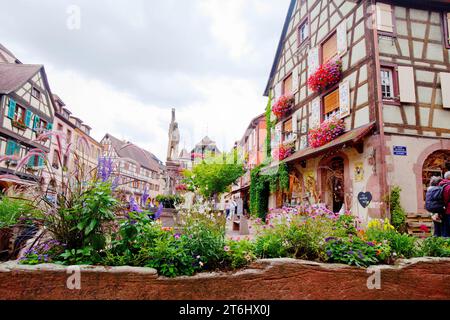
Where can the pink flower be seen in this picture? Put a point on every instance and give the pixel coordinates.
(226, 248)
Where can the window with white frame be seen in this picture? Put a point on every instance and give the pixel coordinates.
(387, 84)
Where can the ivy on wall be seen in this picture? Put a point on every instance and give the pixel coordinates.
(261, 185)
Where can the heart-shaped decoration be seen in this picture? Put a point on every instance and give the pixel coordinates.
(364, 199)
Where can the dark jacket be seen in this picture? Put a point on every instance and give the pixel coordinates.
(446, 194)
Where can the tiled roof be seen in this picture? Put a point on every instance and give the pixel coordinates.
(13, 76)
(129, 150)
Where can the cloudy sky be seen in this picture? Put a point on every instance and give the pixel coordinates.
(128, 62)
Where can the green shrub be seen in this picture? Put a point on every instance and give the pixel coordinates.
(436, 247)
(402, 245)
(206, 234)
(299, 238)
(12, 210)
(170, 257)
(169, 201)
(354, 251)
(240, 253)
(398, 214)
(81, 223)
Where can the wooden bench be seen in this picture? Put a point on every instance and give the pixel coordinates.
(241, 225)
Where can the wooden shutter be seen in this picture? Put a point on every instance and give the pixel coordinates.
(329, 48)
(313, 60)
(11, 108)
(342, 38)
(287, 85)
(344, 99)
(28, 115)
(315, 113)
(277, 91)
(287, 126)
(295, 80)
(35, 122)
(445, 89)
(10, 148)
(385, 20)
(295, 117)
(406, 84)
(331, 102)
(40, 161)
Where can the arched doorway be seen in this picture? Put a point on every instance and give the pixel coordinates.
(436, 164)
(333, 183)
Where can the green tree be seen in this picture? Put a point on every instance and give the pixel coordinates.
(213, 176)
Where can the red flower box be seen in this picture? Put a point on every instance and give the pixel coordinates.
(325, 76)
(283, 105)
(283, 152)
(327, 132)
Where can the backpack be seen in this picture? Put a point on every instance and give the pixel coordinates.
(434, 200)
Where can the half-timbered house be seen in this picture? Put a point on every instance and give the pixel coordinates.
(393, 95)
(26, 111)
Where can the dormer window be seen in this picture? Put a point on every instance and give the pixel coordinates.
(36, 93)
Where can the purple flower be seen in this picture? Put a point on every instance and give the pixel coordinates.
(177, 236)
(134, 207)
(145, 197)
(105, 168)
(329, 253)
(159, 211)
(329, 239)
(370, 243)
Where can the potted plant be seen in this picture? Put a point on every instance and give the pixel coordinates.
(325, 76)
(283, 105)
(327, 132)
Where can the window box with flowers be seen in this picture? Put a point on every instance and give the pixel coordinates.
(19, 124)
(326, 76)
(283, 105)
(283, 151)
(327, 132)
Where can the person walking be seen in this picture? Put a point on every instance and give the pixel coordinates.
(445, 184)
(435, 204)
(227, 209)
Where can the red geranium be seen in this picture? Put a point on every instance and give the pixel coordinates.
(283, 152)
(325, 76)
(327, 132)
(181, 187)
(283, 104)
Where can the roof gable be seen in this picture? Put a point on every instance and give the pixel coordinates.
(280, 46)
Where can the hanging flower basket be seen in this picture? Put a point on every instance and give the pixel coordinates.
(326, 76)
(283, 105)
(327, 132)
(283, 152)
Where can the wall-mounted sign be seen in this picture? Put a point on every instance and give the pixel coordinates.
(364, 199)
(400, 151)
(359, 172)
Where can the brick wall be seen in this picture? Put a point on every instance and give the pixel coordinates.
(422, 278)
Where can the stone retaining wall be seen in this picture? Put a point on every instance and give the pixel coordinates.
(287, 279)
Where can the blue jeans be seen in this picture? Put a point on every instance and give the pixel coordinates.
(437, 229)
(445, 231)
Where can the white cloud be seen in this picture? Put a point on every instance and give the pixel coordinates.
(132, 61)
